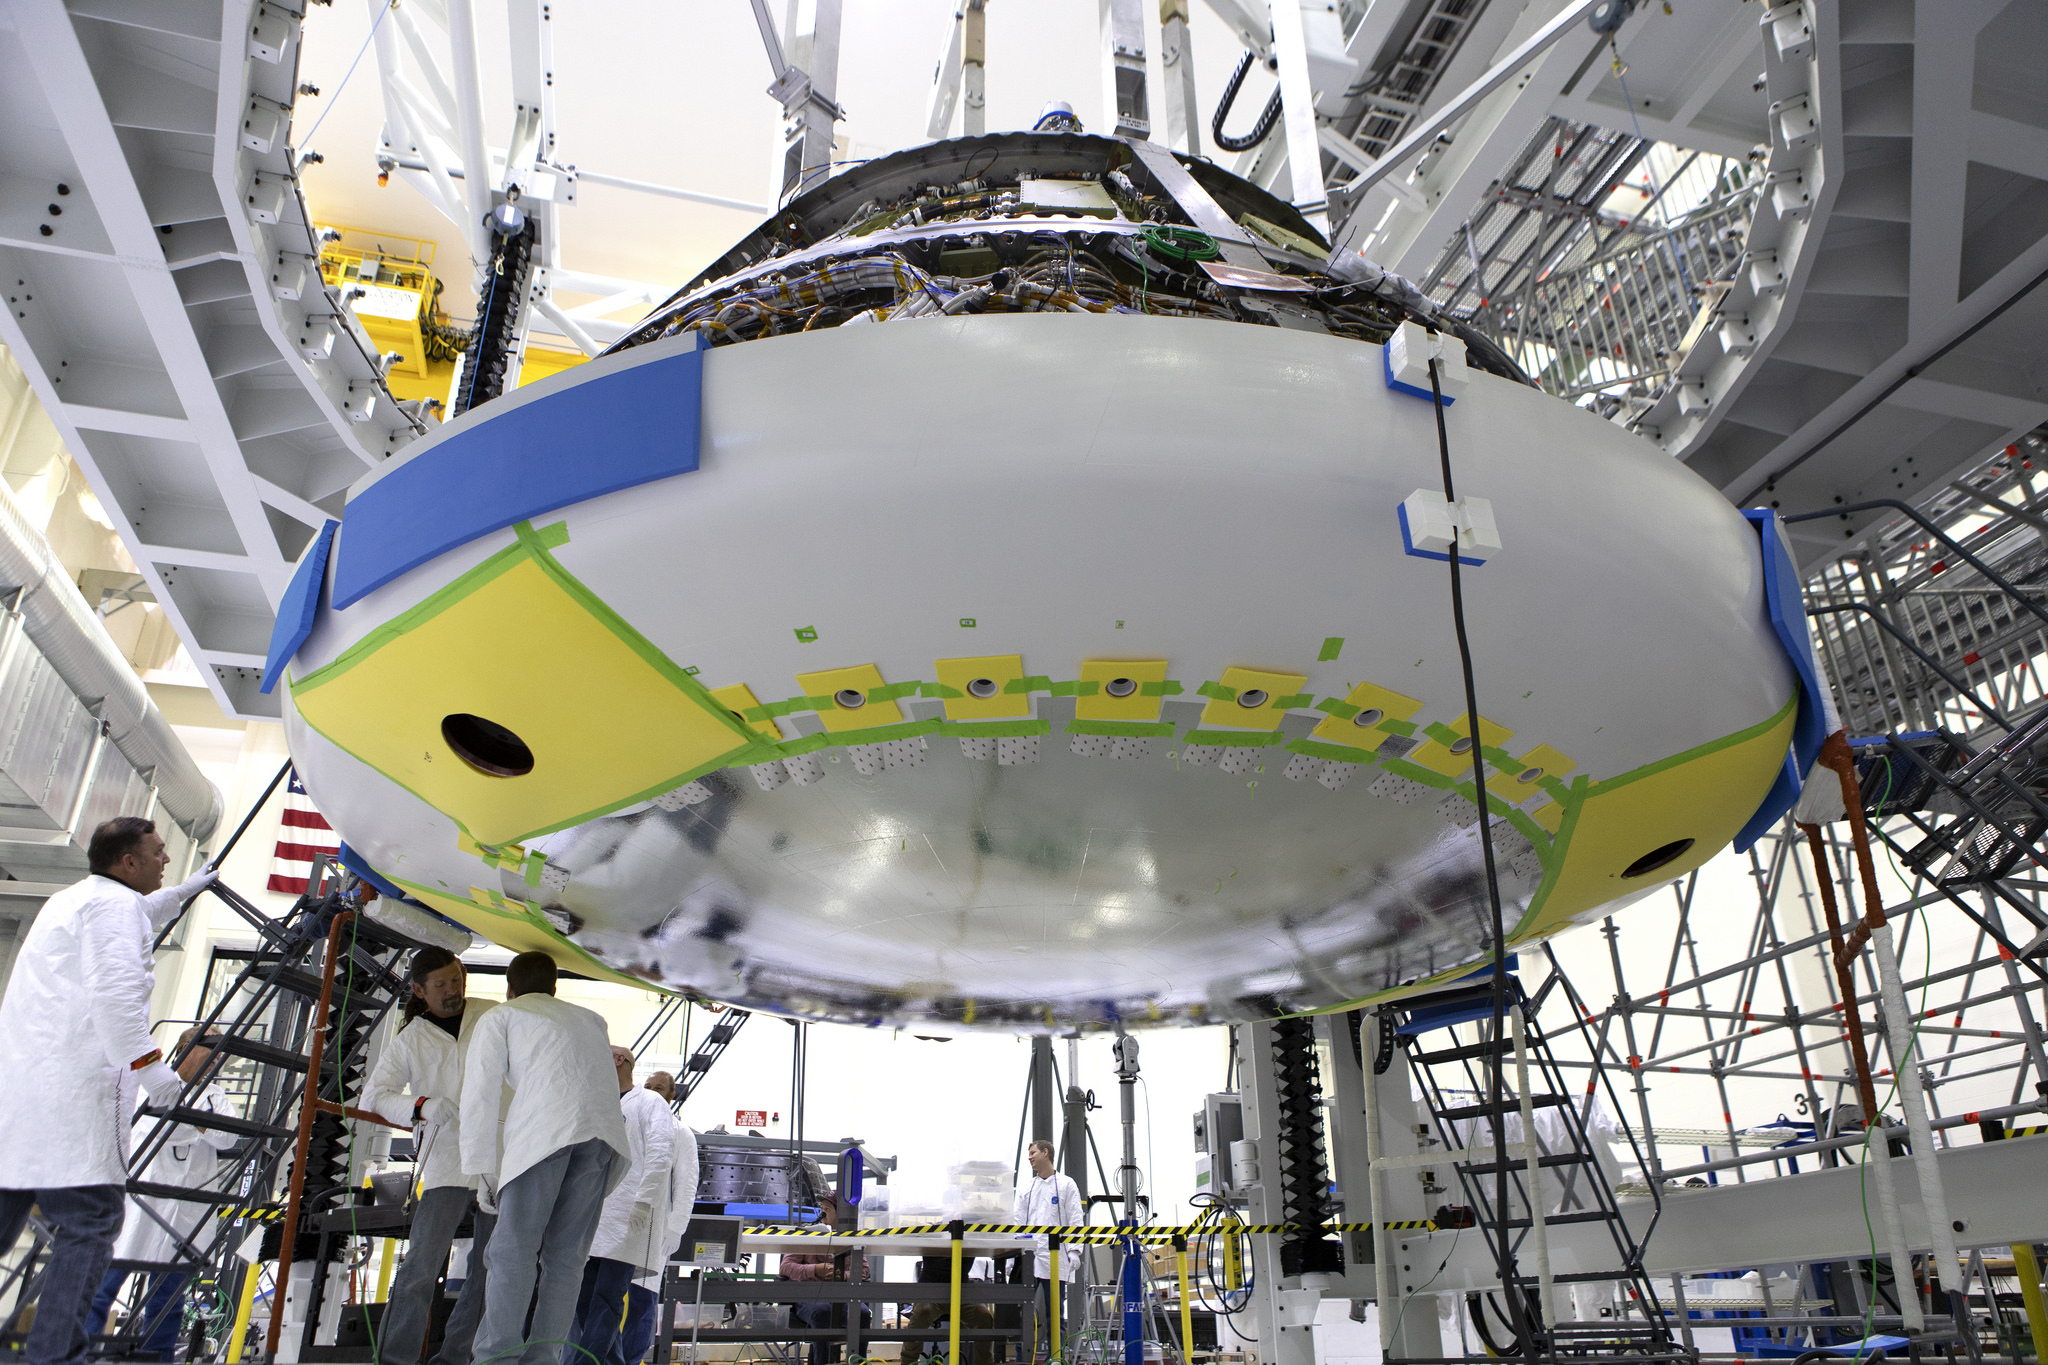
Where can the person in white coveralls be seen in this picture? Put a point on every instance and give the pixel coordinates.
(418, 1079)
(564, 1148)
(152, 1228)
(74, 1046)
(645, 1296)
(632, 1231)
(1049, 1197)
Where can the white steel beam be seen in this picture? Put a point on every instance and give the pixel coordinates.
(467, 80)
(938, 113)
(1177, 72)
(1298, 114)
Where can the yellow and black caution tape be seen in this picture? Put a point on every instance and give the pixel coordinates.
(1071, 1233)
(255, 1213)
(2027, 1132)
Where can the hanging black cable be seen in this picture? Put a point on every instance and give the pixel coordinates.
(1497, 1098)
(1260, 130)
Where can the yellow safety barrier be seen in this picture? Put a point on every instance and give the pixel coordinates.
(240, 1331)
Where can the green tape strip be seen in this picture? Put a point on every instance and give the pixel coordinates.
(1442, 734)
(894, 691)
(941, 691)
(1404, 728)
(994, 729)
(1331, 706)
(1289, 703)
(1503, 760)
(1216, 691)
(1531, 831)
(1401, 767)
(772, 709)
(554, 536)
(1122, 729)
(535, 861)
(806, 744)
(1080, 687)
(1556, 787)
(1336, 753)
(1164, 688)
(1332, 647)
(883, 734)
(1017, 687)
(1233, 739)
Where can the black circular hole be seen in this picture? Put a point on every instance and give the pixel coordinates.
(1657, 857)
(1462, 745)
(1530, 776)
(1252, 696)
(1120, 687)
(486, 745)
(982, 687)
(850, 698)
(1370, 716)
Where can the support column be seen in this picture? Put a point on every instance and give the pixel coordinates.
(1177, 73)
(1298, 115)
(1125, 108)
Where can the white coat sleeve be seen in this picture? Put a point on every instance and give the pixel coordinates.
(113, 944)
(657, 1155)
(390, 1079)
(483, 1081)
(216, 1102)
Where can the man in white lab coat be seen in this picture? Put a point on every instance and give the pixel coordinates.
(645, 1296)
(631, 1232)
(1050, 1196)
(422, 1060)
(564, 1148)
(152, 1228)
(74, 1045)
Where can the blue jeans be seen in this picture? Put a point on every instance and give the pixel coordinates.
(406, 1317)
(600, 1309)
(641, 1322)
(161, 1313)
(547, 1215)
(85, 1220)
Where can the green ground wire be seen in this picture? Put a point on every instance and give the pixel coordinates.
(1180, 244)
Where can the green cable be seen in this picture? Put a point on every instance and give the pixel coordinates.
(1181, 244)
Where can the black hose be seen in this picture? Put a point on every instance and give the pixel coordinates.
(1260, 130)
(1475, 1309)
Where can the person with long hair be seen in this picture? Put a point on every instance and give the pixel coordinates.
(418, 1078)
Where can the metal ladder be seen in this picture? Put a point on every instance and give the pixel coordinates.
(1458, 1082)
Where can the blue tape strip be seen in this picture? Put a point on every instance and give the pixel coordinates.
(1785, 604)
(510, 463)
(301, 604)
(1398, 386)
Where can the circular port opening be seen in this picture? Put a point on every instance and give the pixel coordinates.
(1251, 696)
(1530, 775)
(850, 698)
(1120, 687)
(1369, 717)
(982, 687)
(486, 745)
(1656, 858)
(1462, 745)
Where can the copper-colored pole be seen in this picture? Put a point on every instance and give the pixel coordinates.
(1845, 975)
(309, 1105)
(1834, 752)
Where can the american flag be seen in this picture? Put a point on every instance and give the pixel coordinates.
(304, 836)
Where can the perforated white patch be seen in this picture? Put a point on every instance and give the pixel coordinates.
(1090, 746)
(1021, 749)
(901, 753)
(1458, 811)
(689, 794)
(1527, 864)
(770, 775)
(1336, 774)
(866, 761)
(553, 878)
(1238, 760)
(1301, 767)
(981, 749)
(1131, 748)
(805, 769)
(1398, 789)
(1195, 755)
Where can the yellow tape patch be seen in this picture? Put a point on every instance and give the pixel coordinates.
(1549, 763)
(1438, 758)
(1367, 697)
(739, 699)
(991, 673)
(637, 729)
(1267, 715)
(861, 678)
(1102, 705)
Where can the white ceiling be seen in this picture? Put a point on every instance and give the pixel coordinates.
(676, 95)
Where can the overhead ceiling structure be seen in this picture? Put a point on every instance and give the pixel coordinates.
(1874, 331)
